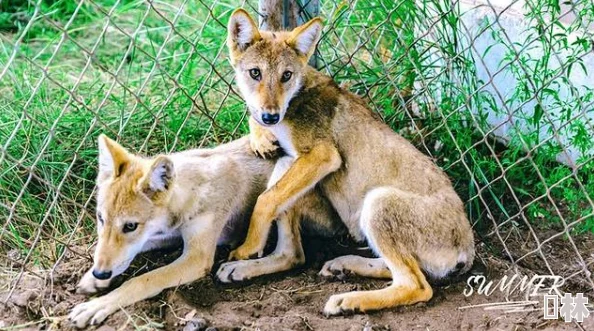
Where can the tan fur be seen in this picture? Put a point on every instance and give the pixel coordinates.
(201, 196)
(385, 191)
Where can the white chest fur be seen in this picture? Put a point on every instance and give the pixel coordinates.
(283, 133)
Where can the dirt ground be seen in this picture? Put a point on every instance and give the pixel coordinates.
(287, 301)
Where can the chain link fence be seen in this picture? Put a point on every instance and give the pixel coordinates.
(498, 92)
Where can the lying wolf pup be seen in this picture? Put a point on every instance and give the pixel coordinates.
(198, 195)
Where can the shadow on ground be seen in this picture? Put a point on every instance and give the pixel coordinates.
(288, 301)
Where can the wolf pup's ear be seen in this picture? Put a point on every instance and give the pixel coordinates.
(113, 158)
(158, 179)
(242, 31)
(304, 38)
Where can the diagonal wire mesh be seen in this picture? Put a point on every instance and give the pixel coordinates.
(496, 92)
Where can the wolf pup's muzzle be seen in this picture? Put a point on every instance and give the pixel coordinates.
(102, 275)
(270, 119)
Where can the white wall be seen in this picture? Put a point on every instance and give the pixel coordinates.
(503, 82)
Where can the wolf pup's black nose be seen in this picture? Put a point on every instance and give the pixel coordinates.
(101, 274)
(270, 118)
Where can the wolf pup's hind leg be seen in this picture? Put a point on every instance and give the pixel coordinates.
(379, 215)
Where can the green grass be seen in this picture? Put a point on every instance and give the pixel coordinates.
(48, 135)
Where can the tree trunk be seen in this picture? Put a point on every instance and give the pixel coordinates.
(277, 15)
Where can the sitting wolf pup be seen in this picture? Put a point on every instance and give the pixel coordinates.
(385, 191)
(199, 195)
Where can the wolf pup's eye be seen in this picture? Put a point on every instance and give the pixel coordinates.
(255, 74)
(129, 227)
(286, 76)
(100, 218)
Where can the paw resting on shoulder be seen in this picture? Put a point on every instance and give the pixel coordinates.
(265, 145)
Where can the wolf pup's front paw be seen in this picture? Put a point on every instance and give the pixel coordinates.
(90, 285)
(92, 312)
(236, 271)
(244, 253)
(264, 145)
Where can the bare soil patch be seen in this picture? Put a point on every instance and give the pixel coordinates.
(287, 301)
